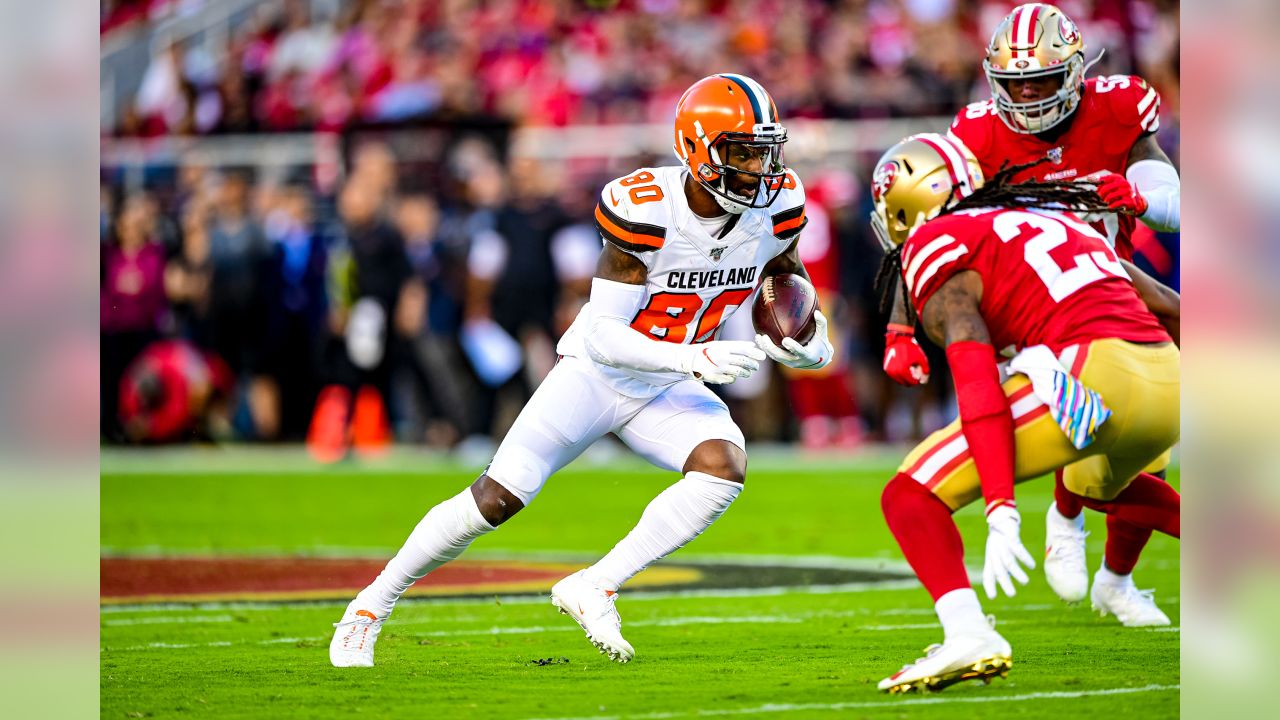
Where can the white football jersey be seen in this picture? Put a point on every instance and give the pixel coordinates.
(695, 281)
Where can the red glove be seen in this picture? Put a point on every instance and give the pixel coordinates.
(1116, 191)
(904, 359)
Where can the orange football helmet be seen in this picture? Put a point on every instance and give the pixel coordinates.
(1036, 40)
(718, 112)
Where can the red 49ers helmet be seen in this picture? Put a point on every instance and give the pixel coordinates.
(718, 112)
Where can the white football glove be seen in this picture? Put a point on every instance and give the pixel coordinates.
(722, 361)
(1004, 552)
(817, 354)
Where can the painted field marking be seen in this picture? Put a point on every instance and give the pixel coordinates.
(638, 595)
(496, 630)
(905, 702)
(165, 619)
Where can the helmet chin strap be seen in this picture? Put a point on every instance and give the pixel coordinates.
(729, 201)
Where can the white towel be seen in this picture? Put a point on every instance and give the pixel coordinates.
(1077, 409)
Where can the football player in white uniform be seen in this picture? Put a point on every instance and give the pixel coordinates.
(684, 247)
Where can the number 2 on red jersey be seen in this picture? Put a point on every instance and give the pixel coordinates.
(1041, 234)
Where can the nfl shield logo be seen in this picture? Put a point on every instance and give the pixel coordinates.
(717, 252)
(1055, 155)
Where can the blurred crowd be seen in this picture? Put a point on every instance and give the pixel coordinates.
(425, 306)
(306, 64)
(238, 308)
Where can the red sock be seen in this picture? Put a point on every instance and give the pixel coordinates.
(923, 527)
(1148, 502)
(1124, 544)
(1069, 504)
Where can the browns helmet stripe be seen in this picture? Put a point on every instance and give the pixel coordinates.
(757, 105)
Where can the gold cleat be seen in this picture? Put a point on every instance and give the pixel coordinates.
(972, 657)
(983, 670)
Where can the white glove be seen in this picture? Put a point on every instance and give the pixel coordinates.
(816, 355)
(1004, 552)
(722, 361)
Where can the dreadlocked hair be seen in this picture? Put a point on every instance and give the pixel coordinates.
(887, 279)
(1001, 191)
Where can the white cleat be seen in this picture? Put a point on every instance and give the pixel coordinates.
(1131, 606)
(1065, 566)
(967, 657)
(593, 607)
(355, 636)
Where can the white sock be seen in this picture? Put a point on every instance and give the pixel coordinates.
(1106, 576)
(960, 613)
(442, 535)
(679, 514)
(1076, 522)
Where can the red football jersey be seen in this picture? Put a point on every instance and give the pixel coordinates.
(1113, 114)
(1048, 278)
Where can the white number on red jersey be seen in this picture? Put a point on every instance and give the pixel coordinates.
(1042, 233)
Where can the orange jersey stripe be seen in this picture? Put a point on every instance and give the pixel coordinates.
(788, 225)
(625, 235)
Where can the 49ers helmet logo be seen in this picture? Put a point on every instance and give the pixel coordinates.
(1067, 29)
(883, 179)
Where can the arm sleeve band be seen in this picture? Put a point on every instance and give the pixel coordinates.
(611, 340)
(1159, 184)
(985, 419)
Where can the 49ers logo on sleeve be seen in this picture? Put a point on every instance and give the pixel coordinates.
(883, 179)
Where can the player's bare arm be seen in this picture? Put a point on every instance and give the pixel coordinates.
(618, 266)
(1162, 300)
(952, 314)
(787, 262)
(1146, 148)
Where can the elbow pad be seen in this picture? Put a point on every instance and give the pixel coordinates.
(1159, 185)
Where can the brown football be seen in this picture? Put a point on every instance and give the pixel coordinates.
(784, 308)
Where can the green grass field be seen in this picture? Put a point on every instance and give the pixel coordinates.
(794, 654)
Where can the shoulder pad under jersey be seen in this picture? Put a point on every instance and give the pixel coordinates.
(787, 211)
(633, 212)
(1133, 103)
(973, 125)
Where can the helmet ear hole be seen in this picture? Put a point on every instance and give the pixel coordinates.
(901, 217)
(692, 146)
(907, 164)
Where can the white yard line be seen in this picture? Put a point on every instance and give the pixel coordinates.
(495, 630)
(905, 702)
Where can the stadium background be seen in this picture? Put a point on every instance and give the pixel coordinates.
(265, 165)
(303, 196)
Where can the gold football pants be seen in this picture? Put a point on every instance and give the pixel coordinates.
(1140, 383)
